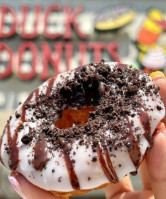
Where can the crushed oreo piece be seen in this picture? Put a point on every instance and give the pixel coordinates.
(26, 139)
(94, 159)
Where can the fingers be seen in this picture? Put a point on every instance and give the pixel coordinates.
(26, 190)
(160, 80)
(162, 84)
(156, 164)
(145, 177)
(124, 190)
(135, 195)
(113, 190)
(156, 159)
(144, 171)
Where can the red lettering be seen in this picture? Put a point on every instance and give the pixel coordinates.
(50, 57)
(72, 22)
(69, 54)
(82, 50)
(34, 51)
(46, 16)
(5, 10)
(97, 48)
(8, 69)
(112, 49)
(24, 33)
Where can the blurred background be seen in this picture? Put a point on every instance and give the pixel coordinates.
(39, 39)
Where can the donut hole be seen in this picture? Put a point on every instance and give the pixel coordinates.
(70, 117)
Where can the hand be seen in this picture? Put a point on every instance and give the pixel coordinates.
(153, 172)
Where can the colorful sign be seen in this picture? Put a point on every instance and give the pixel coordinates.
(113, 18)
(38, 41)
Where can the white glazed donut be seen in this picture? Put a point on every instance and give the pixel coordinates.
(84, 128)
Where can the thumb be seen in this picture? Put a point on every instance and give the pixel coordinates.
(160, 80)
(28, 191)
(156, 164)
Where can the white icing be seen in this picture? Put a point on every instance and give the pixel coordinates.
(122, 162)
(90, 174)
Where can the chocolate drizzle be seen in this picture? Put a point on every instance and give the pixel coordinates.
(23, 106)
(112, 170)
(40, 154)
(36, 92)
(49, 86)
(69, 166)
(144, 118)
(13, 149)
(12, 141)
(106, 166)
(133, 149)
(72, 175)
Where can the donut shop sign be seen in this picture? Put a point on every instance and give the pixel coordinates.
(56, 28)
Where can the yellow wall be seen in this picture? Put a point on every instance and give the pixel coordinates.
(4, 116)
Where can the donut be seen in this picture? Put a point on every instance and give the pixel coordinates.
(84, 128)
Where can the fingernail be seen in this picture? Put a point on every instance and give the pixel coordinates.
(15, 184)
(157, 75)
(164, 132)
(161, 128)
